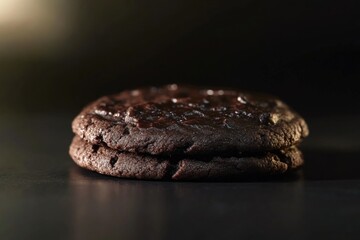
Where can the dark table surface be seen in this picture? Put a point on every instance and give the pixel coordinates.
(43, 195)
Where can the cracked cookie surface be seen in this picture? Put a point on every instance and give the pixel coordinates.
(186, 121)
(107, 161)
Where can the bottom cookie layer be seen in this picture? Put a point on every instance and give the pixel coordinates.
(129, 165)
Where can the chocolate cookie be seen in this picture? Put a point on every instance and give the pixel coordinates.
(144, 166)
(187, 121)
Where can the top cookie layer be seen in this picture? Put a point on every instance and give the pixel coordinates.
(183, 120)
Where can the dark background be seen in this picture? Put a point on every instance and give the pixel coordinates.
(57, 55)
(306, 52)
